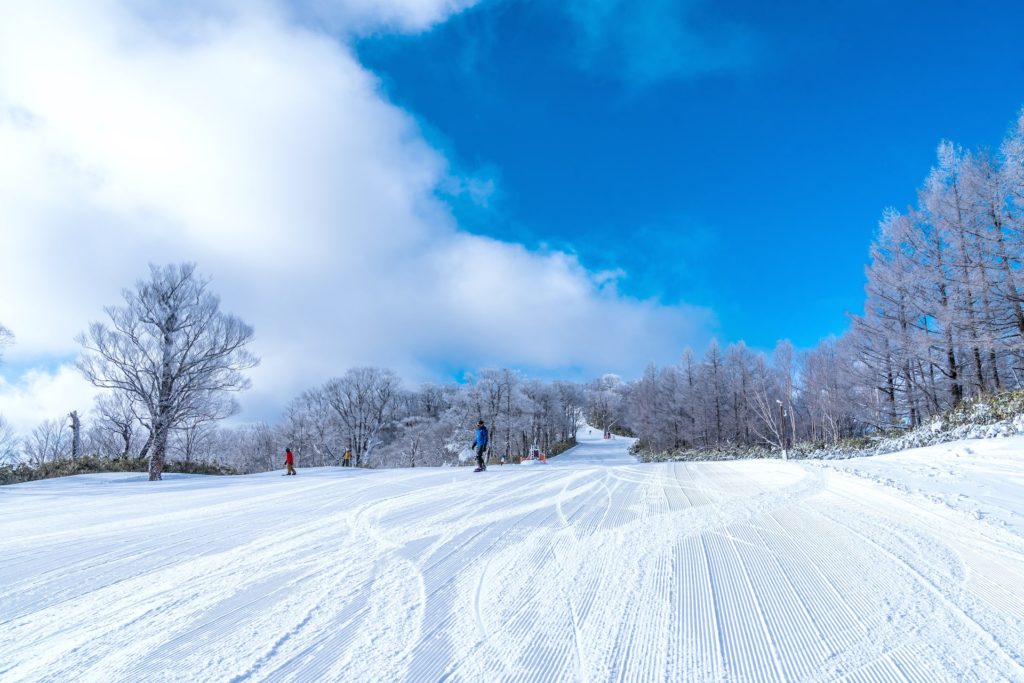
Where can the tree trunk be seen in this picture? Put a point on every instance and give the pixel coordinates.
(956, 390)
(145, 447)
(156, 462)
(76, 435)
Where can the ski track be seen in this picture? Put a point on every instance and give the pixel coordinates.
(592, 568)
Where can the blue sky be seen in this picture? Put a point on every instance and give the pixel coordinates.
(733, 155)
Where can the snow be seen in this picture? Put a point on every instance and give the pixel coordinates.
(591, 568)
(982, 478)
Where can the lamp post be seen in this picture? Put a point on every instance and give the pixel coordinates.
(782, 428)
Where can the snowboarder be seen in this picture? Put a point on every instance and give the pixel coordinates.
(480, 446)
(289, 461)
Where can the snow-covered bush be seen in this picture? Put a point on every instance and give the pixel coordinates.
(984, 417)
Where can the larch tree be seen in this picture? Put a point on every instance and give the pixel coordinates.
(172, 351)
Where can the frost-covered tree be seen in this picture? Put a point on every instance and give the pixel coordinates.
(116, 429)
(257, 447)
(784, 363)
(193, 439)
(766, 403)
(364, 401)
(825, 393)
(420, 441)
(313, 429)
(711, 380)
(605, 402)
(541, 417)
(10, 444)
(172, 351)
(950, 212)
(48, 441)
(572, 400)
(991, 191)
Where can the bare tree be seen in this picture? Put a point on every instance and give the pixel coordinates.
(9, 443)
(605, 402)
(116, 429)
(171, 350)
(193, 438)
(421, 441)
(311, 425)
(251, 448)
(767, 404)
(49, 441)
(364, 400)
(572, 401)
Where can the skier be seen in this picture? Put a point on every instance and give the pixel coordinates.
(480, 445)
(346, 460)
(289, 461)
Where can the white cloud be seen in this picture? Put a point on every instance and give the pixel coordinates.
(265, 152)
(653, 40)
(40, 395)
(360, 16)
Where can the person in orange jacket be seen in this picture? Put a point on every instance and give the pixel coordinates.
(289, 461)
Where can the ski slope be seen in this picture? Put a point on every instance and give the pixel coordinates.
(590, 568)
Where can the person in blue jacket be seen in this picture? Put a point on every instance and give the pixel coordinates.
(480, 446)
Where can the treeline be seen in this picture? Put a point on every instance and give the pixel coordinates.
(944, 316)
(943, 321)
(366, 410)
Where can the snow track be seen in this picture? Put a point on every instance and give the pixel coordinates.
(592, 568)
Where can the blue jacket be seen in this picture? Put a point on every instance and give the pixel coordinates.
(481, 436)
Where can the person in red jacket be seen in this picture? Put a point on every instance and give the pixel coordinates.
(289, 460)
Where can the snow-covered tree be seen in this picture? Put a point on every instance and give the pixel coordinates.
(172, 351)
(605, 402)
(364, 401)
(50, 440)
(10, 444)
(420, 441)
(116, 429)
(257, 447)
(313, 429)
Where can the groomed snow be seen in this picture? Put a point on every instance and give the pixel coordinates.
(907, 567)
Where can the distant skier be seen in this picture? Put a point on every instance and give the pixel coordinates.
(480, 446)
(289, 461)
(346, 460)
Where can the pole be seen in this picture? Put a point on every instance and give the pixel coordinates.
(782, 429)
